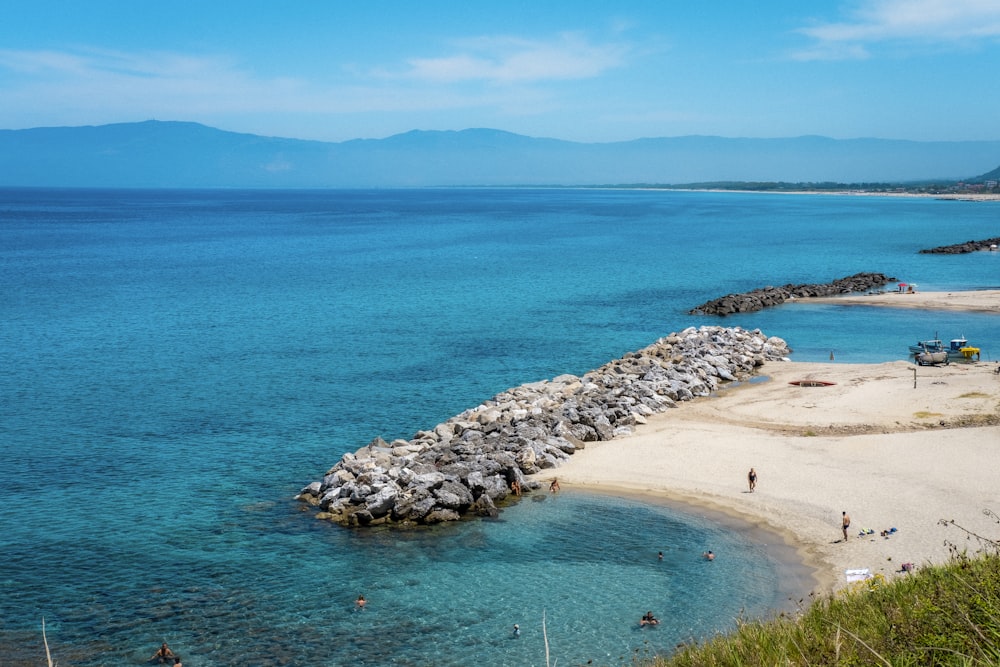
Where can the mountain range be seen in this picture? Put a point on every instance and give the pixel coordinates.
(190, 155)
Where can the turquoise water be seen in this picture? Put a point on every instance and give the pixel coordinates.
(177, 364)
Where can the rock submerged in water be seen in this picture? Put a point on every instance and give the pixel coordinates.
(467, 465)
(765, 297)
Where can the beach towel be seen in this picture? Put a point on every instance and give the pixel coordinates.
(860, 574)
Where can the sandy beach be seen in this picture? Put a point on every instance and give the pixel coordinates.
(894, 445)
(969, 196)
(984, 301)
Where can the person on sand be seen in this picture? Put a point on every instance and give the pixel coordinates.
(752, 479)
(708, 555)
(162, 653)
(845, 523)
(554, 486)
(360, 603)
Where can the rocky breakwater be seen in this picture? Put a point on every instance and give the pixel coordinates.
(474, 461)
(765, 297)
(962, 248)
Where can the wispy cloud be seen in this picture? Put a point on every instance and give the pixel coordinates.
(115, 80)
(55, 86)
(101, 63)
(916, 22)
(120, 84)
(506, 60)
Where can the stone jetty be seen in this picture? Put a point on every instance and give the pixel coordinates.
(962, 248)
(474, 462)
(765, 297)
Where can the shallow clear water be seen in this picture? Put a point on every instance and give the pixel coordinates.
(266, 586)
(178, 364)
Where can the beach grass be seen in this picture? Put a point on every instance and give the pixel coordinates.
(934, 615)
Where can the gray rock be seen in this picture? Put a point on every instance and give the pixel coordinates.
(380, 503)
(468, 463)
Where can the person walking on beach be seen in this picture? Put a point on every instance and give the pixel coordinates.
(845, 523)
(752, 479)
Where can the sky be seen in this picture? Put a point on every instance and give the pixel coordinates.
(335, 70)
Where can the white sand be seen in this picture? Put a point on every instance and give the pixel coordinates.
(889, 453)
(985, 301)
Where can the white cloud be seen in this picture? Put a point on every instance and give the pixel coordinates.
(504, 76)
(505, 60)
(166, 84)
(938, 22)
(146, 84)
(41, 62)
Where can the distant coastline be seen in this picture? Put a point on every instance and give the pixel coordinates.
(955, 192)
(978, 197)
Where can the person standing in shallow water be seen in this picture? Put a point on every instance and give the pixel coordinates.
(554, 486)
(162, 654)
(752, 479)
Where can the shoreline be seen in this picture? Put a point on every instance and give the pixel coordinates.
(700, 461)
(949, 196)
(804, 574)
(971, 301)
(891, 454)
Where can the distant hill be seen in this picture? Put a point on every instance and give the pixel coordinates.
(988, 176)
(179, 154)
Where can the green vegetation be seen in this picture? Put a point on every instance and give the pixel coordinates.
(935, 615)
(988, 183)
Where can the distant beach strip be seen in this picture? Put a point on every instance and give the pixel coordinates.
(766, 297)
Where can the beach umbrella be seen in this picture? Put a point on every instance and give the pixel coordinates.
(902, 284)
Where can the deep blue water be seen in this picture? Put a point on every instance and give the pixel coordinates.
(178, 364)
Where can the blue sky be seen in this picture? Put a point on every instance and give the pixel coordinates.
(584, 71)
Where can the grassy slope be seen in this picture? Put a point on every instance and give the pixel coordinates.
(943, 615)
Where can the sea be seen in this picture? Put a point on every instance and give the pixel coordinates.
(175, 365)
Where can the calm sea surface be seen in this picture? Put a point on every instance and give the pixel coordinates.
(176, 365)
